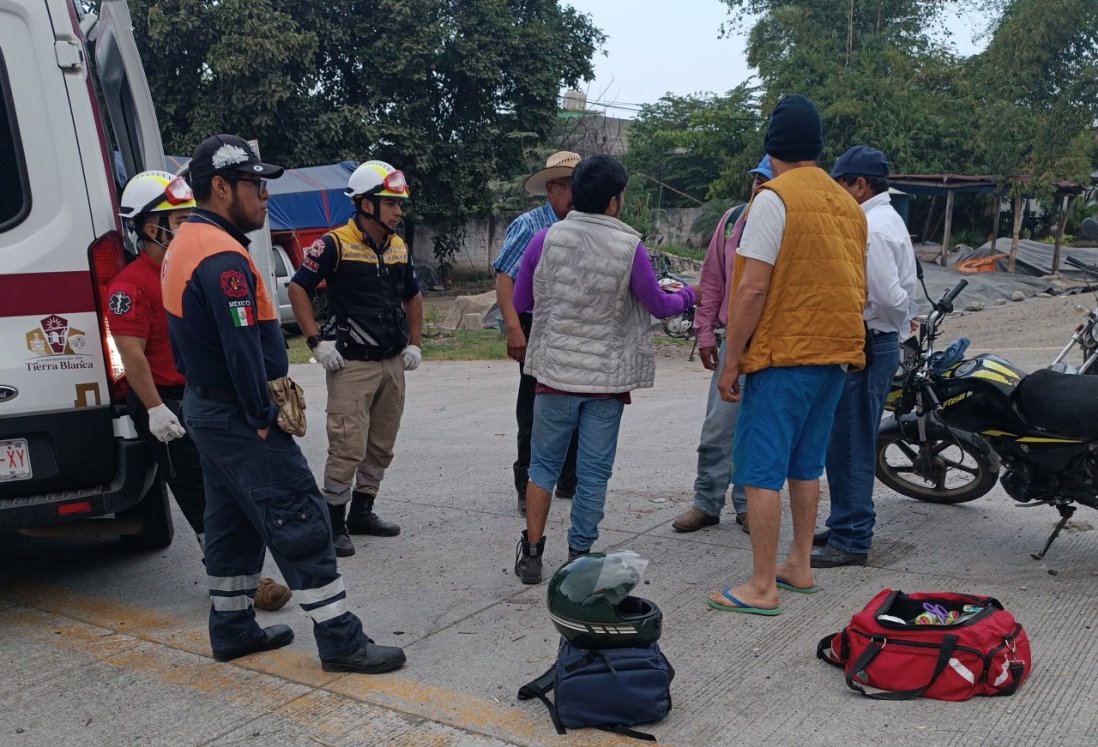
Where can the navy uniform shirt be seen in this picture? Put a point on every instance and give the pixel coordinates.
(224, 329)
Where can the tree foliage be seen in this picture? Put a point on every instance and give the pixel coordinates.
(433, 86)
(695, 145)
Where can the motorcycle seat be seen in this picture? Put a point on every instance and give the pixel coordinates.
(1064, 404)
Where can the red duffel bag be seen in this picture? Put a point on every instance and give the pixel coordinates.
(937, 645)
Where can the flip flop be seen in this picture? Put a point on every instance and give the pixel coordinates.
(741, 606)
(783, 584)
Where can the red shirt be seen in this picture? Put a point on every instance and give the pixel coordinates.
(136, 309)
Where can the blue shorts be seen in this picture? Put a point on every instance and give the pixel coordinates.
(785, 424)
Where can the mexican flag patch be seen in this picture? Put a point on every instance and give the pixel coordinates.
(243, 316)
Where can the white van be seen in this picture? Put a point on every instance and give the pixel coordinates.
(73, 99)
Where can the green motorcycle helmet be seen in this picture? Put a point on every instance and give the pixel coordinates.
(590, 604)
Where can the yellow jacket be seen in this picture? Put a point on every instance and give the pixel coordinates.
(813, 310)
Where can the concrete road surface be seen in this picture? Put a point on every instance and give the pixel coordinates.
(102, 647)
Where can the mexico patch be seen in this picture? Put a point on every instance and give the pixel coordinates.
(242, 314)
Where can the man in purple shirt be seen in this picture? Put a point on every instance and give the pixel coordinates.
(719, 426)
(594, 288)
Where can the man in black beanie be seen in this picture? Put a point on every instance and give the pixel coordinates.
(794, 326)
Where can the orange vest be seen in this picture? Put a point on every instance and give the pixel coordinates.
(813, 310)
(193, 243)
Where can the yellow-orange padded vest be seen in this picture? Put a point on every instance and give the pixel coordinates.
(813, 310)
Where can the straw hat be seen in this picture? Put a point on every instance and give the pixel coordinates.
(557, 166)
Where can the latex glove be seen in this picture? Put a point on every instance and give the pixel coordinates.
(164, 424)
(411, 357)
(327, 355)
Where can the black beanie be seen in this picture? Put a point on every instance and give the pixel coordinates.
(795, 132)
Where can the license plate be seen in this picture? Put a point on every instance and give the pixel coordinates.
(14, 460)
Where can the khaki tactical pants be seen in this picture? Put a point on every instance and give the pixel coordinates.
(365, 402)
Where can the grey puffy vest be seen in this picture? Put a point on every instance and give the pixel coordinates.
(590, 334)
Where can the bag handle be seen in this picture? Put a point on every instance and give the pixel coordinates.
(876, 645)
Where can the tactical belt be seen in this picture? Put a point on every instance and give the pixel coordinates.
(224, 396)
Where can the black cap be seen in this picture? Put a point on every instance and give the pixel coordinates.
(861, 160)
(795, 132)
(221, 154)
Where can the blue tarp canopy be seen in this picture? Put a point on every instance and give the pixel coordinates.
(309, 197)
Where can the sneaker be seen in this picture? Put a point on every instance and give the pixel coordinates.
(694, 519)
(741, 519)
(528, 560)
(573, 553)
(270, 595)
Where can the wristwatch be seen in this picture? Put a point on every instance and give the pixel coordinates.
(312, 341)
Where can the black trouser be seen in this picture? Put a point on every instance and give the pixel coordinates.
(524, 414)
(177, 461)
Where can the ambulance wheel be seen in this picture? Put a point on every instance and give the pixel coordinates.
(155, 513)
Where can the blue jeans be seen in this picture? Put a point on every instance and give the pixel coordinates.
(715, 451)
(556, 418)
(852, 452)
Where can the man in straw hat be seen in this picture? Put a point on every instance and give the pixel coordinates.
(554, 182)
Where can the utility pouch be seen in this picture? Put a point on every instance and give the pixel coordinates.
(290, 400)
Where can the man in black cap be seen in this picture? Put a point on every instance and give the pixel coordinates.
(890, 306)
(259, 490)
(795, 325)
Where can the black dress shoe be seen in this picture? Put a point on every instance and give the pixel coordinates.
(370, 658)
(274, 637)
(832, 557)
(820, 538)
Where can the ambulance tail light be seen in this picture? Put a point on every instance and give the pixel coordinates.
(107, 255)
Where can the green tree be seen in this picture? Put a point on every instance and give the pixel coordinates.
(694, 145)
(433, 86)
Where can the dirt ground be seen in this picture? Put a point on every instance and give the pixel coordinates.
(1024, 327)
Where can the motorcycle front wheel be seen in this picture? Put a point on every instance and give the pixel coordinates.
(955, 470)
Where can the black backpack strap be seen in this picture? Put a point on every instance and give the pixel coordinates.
(822, 649)
(539, 689)
(625, 731)
(876, 645)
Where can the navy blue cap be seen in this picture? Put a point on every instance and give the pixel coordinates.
(763, 169)
(861, 160)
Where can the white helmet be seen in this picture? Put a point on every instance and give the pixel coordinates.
(155, 192)
(377, 179)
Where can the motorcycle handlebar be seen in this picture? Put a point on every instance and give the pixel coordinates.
(1081, 265)
(946, 304)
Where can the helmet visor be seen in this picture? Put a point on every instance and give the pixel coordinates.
(395, 182)
(619, 572)
(175, 193)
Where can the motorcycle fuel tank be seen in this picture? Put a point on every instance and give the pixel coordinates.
(976, 395)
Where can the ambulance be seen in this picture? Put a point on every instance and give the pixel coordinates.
(76, 116)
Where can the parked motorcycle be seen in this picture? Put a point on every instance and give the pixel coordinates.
(1043, 426)
(1085, 335)
(917, 454)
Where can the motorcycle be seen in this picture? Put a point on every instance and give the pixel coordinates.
(1085, 335)
(917, 454)
(1042, 427)
(680, 325)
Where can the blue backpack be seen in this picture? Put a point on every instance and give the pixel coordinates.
(610, 689)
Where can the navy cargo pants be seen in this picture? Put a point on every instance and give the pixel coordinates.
(261, 494)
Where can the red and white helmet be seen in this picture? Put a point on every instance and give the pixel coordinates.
(377, 179)
(154, 192)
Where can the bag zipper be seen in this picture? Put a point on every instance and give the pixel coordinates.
(990, 659)
(991, 606)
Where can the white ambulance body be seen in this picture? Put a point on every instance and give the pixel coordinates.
(73, 98)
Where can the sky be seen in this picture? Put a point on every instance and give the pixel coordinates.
(660, 46)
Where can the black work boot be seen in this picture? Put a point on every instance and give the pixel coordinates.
(363, 520)
(528, 560)
(340, 538)
(370, 658)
